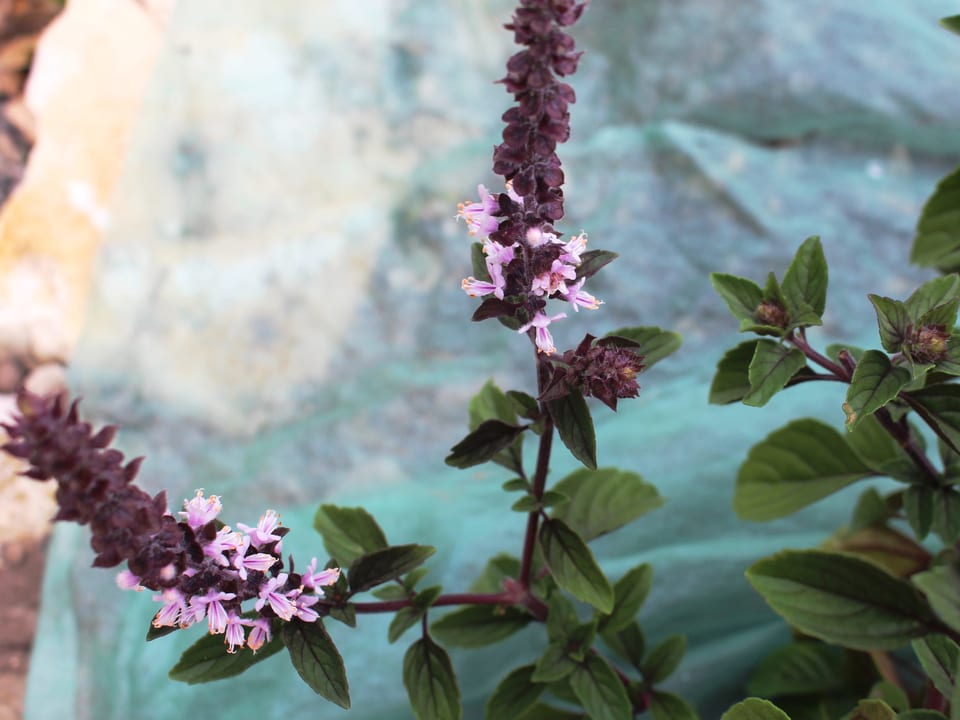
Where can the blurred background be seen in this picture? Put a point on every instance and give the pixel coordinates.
(233, 224)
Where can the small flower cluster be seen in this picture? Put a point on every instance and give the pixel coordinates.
(200, 568)
(526, 261)
(539, 267)
(606, 369)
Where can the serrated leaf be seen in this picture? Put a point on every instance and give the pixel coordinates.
(629, 643)
(317, 660)
(731, 382)
(431, 682)
(873, 710)
(348, 532)
(755, 709)
(875, 382)
(939, 655)
(347, 614)
(741, 295)
(208, 660)
(871, 509)
(841, 599)
(918, 507)
(378, 567)
(800, 668)
(941, 586)
(600, 691)
(575, 426)
(479, 625)
(514, 695)
(770, 369)
(409, 616)
(939, 407)
(652, 342)
(946, 514)
(667, 706)
(629, 593)
(603, 500)
(794, 467)
(952, 24)
(805, 282)
(931, 294)
(555, 664)
(498, 568)
(592, 261)
(892, 321)
(573, 566)
(663, 659)
(481, 445)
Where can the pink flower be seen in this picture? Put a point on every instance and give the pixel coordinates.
(262, 534)
(211, 604)
(126, 580)
(313, 579)
(198, 511)
(226, 540)
(278, 601)
(553, 280)
(573, 249)
(302, 604)
(544, 339)
(234, 636)
(581, 299)
(479, 215)
(259, 634)
(174, 606)
(256, 561)
(478, 288)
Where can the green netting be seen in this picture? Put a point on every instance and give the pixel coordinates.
(277, 316)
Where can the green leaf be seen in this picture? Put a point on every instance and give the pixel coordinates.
(592, 260)
(952, 24)
(805, 282)
(663, 659)
(347, 614)
(892, 322)
(526, 504)
(347, 532)
(931, 294)
(945, 314)
(524, 405)
(755, 709)
(667, 706)
(918, 507)
(629, 594)
(794, 467)
(875, 382)
(603, 500)
(541, 711)
(562, 620)
(431, 682)
(921, 715)
(481, 445)
(479, 625)
(801, 668)
(491, 403)
(891, 695)
(871, 509)
(946, 514)
(378, 567)
(409, 616)
(877, 449)
(555, 664)
(391, 592)
(873, 710)
(939, 407)
(514, 695)
(573, 565)
(772, 366)
(479, 262)
(575, 426)
(413, 577)
(497, 569)
(155, 633)
(208, 660)
(941, 585)
(515, 484)
(628, 643)
(939, 655)
(841, 599)
(600, 691)
(731, 382)
(316, 660)
(652, 342)
(742, 296)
